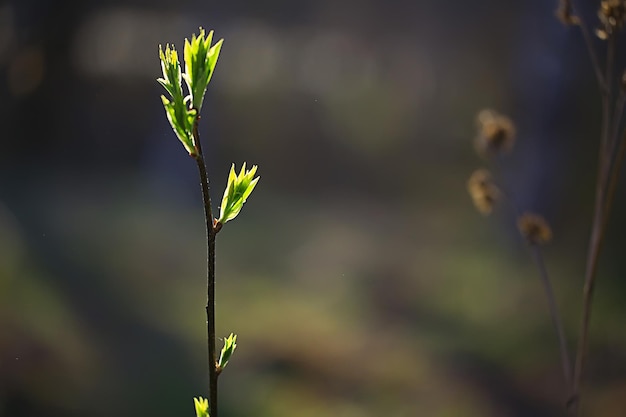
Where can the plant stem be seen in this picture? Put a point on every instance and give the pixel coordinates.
(210, 305)
(617, 120)
(614, 177)
(537, 256)
(554, 314)
(598, 224)
(593, 56)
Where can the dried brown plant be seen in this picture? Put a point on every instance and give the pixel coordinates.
(485, 194)
(496, 135)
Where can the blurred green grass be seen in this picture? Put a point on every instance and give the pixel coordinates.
(351, 308)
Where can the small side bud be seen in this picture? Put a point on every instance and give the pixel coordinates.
(230, 344)
(496, 133)
(485, 194)
(534, 228)
(238, 189)
(202, 406)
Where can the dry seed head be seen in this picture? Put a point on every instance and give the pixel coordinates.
(612, 15)
(496, 133)
(534, 228)
(485, 194)
(565, 13)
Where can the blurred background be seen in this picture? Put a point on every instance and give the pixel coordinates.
(359, 277)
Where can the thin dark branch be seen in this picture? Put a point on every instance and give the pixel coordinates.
(618, 114)
(614, 179)
(210, 306)
(607, 110)
(566, 363)
(593, 56)
(598, 226)
(537, 256)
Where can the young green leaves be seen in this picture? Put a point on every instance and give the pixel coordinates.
(230, 344)
(182, 110)
(200, 61)
(202, 406)
(181, 117)
(238, 189)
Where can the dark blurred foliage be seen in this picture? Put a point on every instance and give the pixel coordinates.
(359, 277)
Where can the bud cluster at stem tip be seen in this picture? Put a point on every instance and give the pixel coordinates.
(496, 133)
(534, 228)
(612, 15)
(182, 109)
(484, 192)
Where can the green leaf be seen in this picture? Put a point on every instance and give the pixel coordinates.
(179, 114)
(238, 189)
(230, 344)
(202, 406)
(170, 67)
(181, 123)
(200, 61)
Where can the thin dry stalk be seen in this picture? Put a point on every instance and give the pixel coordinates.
(608, 172)
(566, 363)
